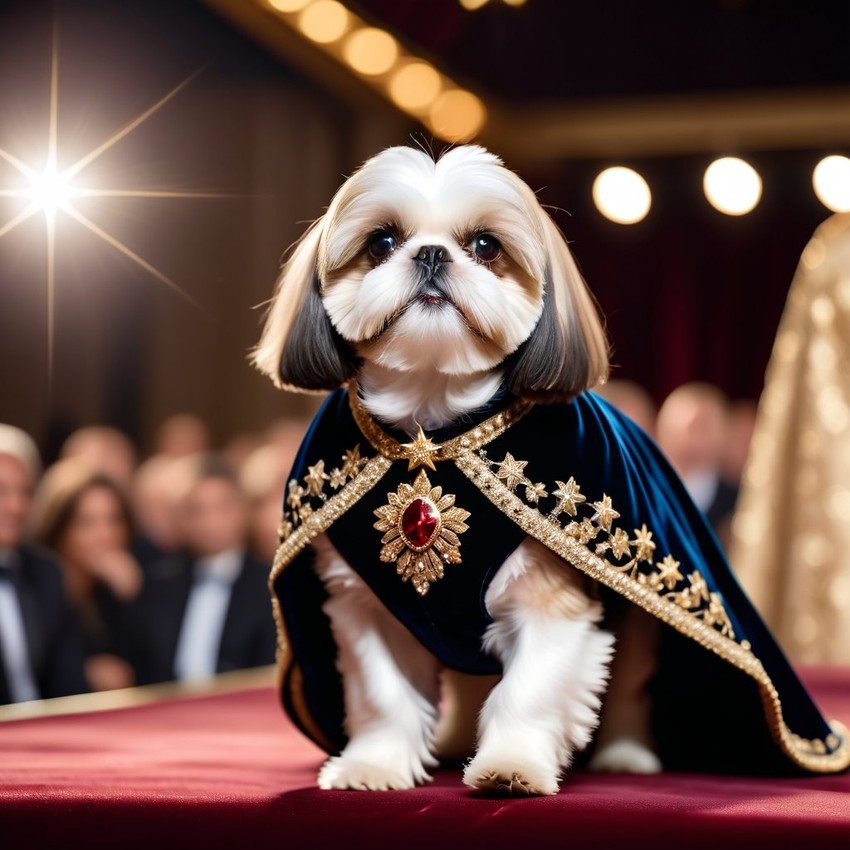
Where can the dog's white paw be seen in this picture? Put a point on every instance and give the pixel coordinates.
(345, 773)
(510, 776)
(625, 756)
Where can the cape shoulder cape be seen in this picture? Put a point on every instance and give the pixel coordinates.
(427, 523)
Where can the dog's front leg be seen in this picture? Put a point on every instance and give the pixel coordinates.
(555, 661)
(390, 683)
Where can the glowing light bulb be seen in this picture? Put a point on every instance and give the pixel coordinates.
(831, 180)
(621, 195)
(732, 186)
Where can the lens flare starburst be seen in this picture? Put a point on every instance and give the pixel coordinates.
(51, 191)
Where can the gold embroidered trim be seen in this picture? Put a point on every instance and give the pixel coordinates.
(663, 577)
(299, 506)
(470, 441)
(295, 541)
(422, 563)
(809, 754)
(640, 588)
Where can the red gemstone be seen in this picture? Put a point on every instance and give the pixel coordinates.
(419, 522)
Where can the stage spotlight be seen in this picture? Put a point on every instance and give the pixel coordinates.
(49, 191)
(831, 179)
(621, 195)
(324, 21)
(732, 186)
(370, 51)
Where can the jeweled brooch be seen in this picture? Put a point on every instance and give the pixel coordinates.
(421, 528)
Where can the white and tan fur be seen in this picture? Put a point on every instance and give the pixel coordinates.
(431, 329)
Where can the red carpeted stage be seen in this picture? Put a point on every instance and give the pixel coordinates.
(226, 769)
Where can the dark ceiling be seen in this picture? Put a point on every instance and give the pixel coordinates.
(551, 50)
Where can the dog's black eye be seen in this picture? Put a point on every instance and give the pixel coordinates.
(381, 244)
(486, 247)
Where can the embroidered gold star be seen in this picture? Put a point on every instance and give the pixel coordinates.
(535, 492)
(715, 615)
(296, 491)
(511, 471)
(284, 529)
(698, 588)
(568, 495)
(668, 572)
(605, 513)
(337, 478)
(421, 451)
(351, 462)
(644, 543)
(620, 544)
(315, 478)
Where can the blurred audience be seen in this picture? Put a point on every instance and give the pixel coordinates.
(792, 529)
(156, 573)
(263, 476)
(40, 651)
(155, 509)
(205, 610)
(240, 447)
(83, 516)
(181, 435)
(633, 400)
(692, 427)
(106, 450)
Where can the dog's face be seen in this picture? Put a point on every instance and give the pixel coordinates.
(429, 264)
(448, 265)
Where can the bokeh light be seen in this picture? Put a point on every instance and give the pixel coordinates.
(324, 21)
(370, 51)
(622, 195)
(457, 115)
(288, 5)
(831, 180)
(415, 86)
(732, 186)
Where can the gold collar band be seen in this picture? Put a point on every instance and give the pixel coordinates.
(421, 451)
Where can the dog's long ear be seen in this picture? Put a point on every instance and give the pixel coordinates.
(567, 352)
(299, 348)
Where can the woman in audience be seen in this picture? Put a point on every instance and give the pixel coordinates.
(83, 516)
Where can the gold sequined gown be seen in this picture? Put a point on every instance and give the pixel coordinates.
(791, 534)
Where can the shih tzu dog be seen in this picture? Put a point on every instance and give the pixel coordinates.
(438, 285)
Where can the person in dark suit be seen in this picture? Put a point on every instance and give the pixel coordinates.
(206, 610)
(41, 652)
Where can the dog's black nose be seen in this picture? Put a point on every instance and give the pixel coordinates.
(431, 257)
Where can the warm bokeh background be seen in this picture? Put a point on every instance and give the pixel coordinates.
(273, 124)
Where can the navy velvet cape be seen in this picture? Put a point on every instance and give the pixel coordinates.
(722, 702)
